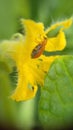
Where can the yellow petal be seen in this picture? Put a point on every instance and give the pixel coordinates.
(46, 62)
(33, 29)
(56, 43)
(65, 24)
(24, 91)
(42, 66)
(34, 35)
(22, 94)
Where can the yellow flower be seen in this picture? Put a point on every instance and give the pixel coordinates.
(31, 70)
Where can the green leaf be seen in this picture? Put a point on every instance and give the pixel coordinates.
(56, 100)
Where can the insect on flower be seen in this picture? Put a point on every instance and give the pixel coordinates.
(38, 50)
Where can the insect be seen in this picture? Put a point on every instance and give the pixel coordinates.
(38, 50)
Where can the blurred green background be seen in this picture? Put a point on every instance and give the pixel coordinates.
(24, 114)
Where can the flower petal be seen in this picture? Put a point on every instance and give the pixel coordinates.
(43, 64)
(34, 35)
(22, 94)
(46, 62)
(65, 24)
(33, 30)
(23, 90)
(56, 43)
